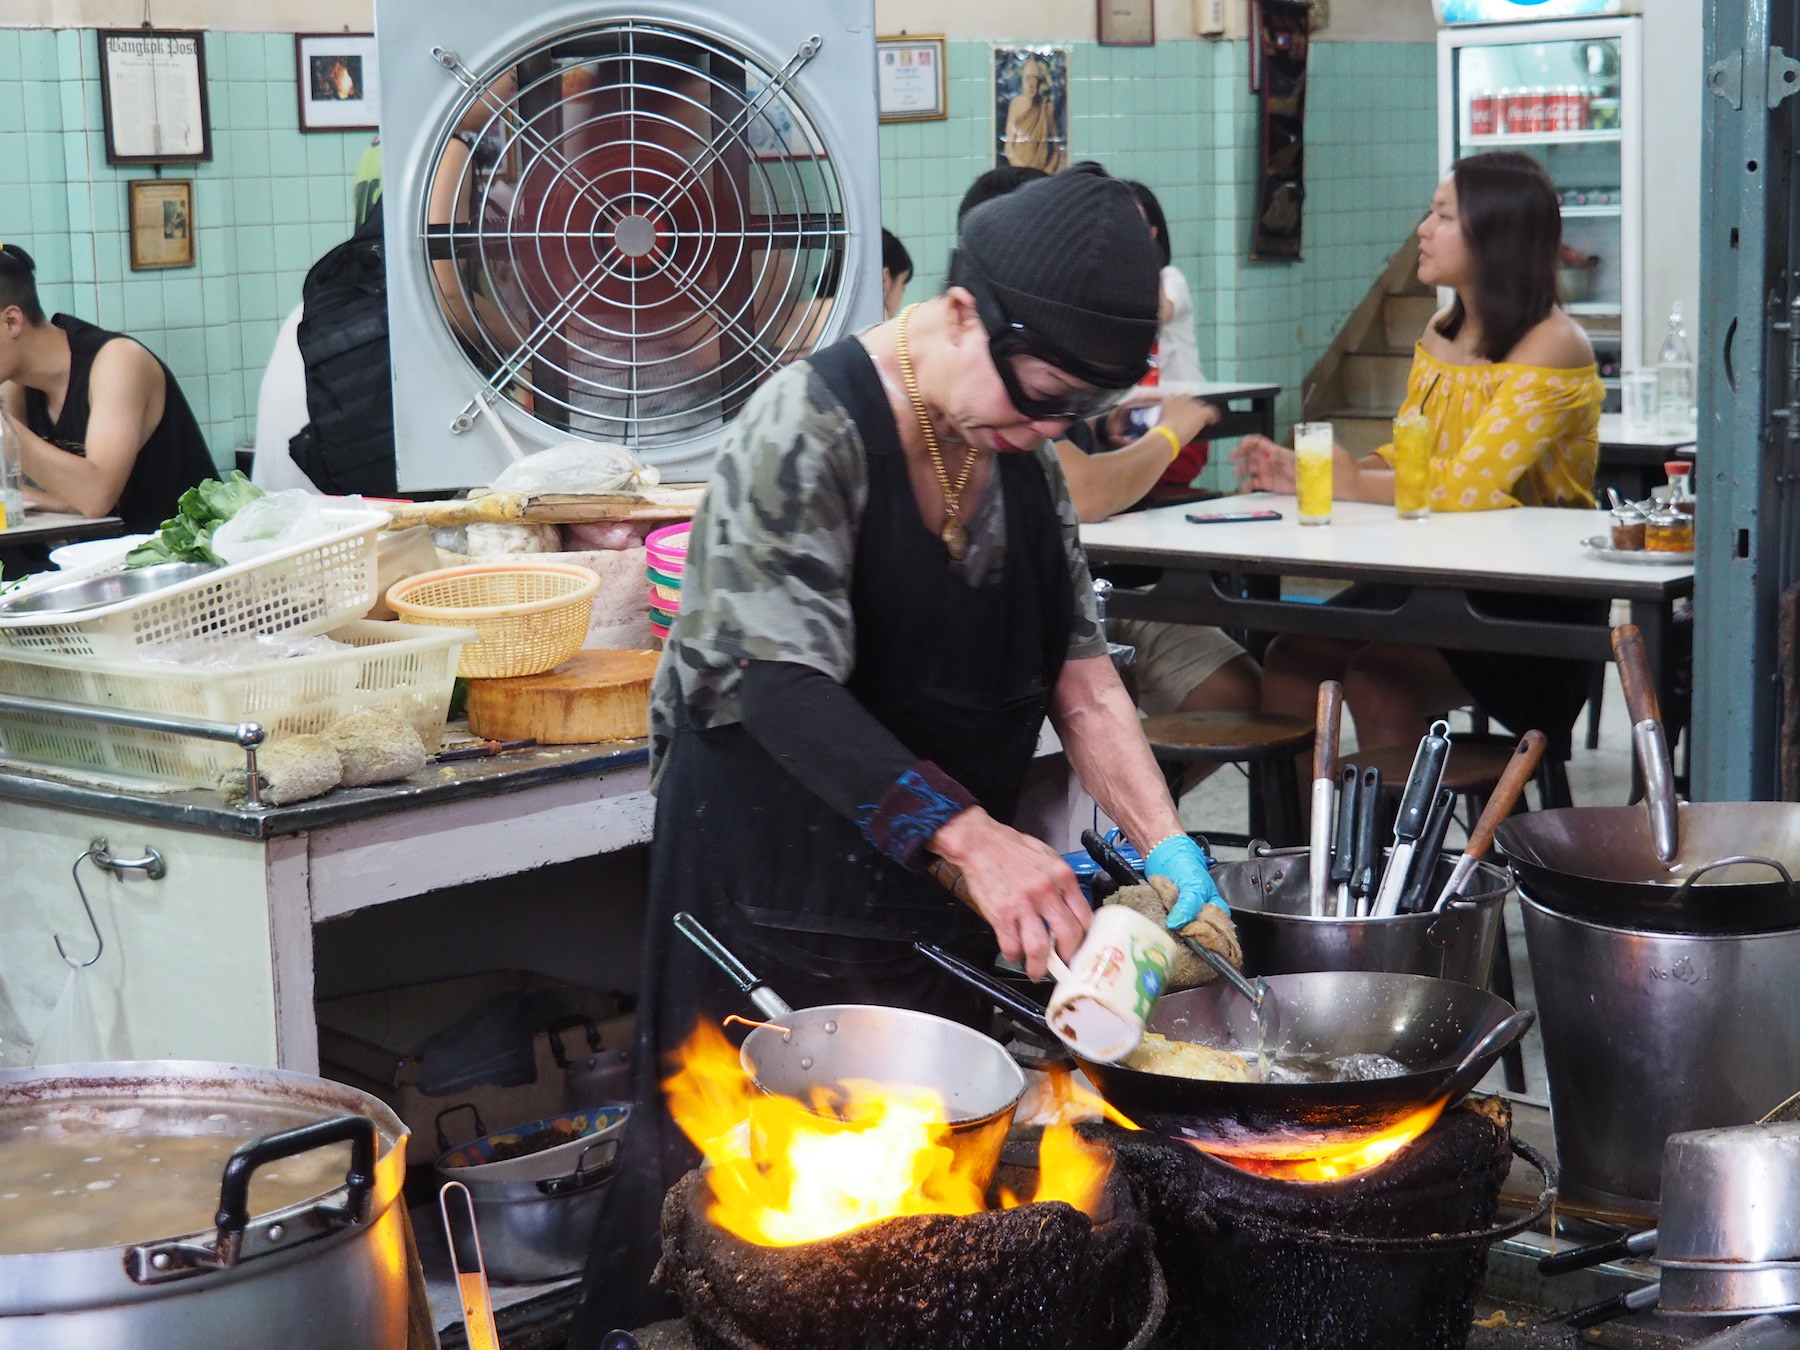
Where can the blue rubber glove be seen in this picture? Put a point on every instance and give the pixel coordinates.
(1180, 860)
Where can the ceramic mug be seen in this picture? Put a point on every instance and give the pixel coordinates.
(1104, 995)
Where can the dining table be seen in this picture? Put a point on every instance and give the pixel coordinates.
(1262, 576)
(56, 527)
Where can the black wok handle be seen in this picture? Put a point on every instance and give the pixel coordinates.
(1421, 790)
(1580, 1258)
(767, 1001)
(1425, 856)
(1115, 863)
(1496, 1040)
(1343, 839)
(1368, 838)
(1011, 1001)
(1617, 1306)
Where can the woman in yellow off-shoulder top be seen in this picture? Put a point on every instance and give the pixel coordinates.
(1509, 384)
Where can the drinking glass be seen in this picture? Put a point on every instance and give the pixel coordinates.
(1312, 472)
(1412, 466)
(1637, 399)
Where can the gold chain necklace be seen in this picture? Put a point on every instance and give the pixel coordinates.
(954, 534)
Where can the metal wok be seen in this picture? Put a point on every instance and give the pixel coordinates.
(1447, 1034)
(1732, 873)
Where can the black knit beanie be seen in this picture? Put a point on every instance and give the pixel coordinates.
(1069, 258)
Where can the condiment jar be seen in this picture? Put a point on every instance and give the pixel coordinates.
(1669, 531)
(1628, 531)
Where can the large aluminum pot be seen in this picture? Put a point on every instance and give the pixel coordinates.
(1731, 1195)
(330, 1272)
(815, 1050)
(1269, 904)
(1647, 1034)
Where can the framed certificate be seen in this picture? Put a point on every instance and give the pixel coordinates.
(162, 223)
(1126, 23)
(153, 95)
(910, 85)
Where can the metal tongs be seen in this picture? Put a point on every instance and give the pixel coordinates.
(1121, 871)
(1649, 739)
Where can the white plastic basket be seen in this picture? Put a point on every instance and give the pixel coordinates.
(308, 588)
(400, 668)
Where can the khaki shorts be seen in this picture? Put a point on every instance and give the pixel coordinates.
(1171, 659)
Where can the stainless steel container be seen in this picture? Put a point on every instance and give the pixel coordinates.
(1731, 1195)
(331, 1272)
(1269, 904)
(1648, 1034)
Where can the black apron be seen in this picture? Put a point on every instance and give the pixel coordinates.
(962, 676)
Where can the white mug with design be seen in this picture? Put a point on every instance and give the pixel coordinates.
(1103, 997)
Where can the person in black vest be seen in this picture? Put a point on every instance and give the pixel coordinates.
(104, 429)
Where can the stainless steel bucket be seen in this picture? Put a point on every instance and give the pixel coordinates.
(1269, 903)
(1648, 1034)
(297, 1279)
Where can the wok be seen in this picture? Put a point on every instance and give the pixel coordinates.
(1448, 1036)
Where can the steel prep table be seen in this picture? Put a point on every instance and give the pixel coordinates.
(224, 970)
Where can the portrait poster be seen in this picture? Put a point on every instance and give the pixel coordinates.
(1281, 37)
(153, 95)
(162, 223)
(1031, 107)
(337, 82)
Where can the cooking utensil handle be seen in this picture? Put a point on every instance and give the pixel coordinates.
(1343, 836)
(463, 1237)
(1635, 679)
(1318, 871)
(1009, 1000)
(234, 1187)
(1327, 723)
(1617, 1306)
(1727, 862)
(1114, 862)
(1496, 1039)
(1425, 856)
(1227, 972)
(1422, 783)
(1518, 772)
(1368, 841)
(767, 1001)
(1580, 1258)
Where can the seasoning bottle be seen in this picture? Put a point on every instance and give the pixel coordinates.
(1681, 486)
(12, 478)
(1669, 531)
(1628, 528)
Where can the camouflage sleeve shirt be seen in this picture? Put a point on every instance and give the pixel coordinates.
(770, 557)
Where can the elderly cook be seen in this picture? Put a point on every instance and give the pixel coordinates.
(884, 598)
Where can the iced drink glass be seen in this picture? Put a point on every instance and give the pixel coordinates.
(1312, 472)
(1412, 467)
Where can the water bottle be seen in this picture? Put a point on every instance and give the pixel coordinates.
(12, 480)
(1675, 380)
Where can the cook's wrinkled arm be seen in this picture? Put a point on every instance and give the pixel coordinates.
(1101, 734)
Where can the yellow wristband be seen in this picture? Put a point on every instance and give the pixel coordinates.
(1174, 441)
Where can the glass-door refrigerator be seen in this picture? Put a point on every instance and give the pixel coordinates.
(1568, 92)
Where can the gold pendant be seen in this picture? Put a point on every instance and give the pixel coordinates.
(956, 539)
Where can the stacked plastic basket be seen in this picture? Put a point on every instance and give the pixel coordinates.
(665, 551)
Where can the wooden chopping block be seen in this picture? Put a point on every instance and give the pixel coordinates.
(593, 696)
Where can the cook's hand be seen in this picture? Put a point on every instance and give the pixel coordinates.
(1180, 860)
(1263, 466)
(1019, 885)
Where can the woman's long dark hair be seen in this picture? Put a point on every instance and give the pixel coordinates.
(1506, 204)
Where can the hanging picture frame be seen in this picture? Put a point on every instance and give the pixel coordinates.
(337, 81)
(1031, 107)
(153, 96)
(1125, 23)
(161, 212)
(909, 79)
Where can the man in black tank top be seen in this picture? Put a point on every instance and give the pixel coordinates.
(103, 427)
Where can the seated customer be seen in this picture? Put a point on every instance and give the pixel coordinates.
(1509, 383)
(103, 427)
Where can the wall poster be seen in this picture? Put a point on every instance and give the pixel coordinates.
(1280, 38)
(1031, 107)
(153, 95)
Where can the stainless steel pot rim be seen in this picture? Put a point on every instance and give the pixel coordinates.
(1673, 935)
(1425, 919)
(1727, 1267)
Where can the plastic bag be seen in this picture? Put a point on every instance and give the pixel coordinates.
(577, 468)
(485, 540)
(84, 1025)
(603, 536)
(277, 521)
(243, 649)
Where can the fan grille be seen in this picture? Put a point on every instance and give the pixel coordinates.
(631, 226)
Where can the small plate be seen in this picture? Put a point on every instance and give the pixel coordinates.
(1601, 547)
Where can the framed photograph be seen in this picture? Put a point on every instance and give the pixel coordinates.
(162, 223)
(336, 79)
(909, 79)
(1126, 23)
(1031, 107)
(153, 95)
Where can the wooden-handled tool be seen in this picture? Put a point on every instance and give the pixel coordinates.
(460, 1233)
(675, 501)
(1512, 782)
(1327, 721)
(1649, 739)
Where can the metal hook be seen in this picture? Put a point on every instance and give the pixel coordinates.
(96, 851)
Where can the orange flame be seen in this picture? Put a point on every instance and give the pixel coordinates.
(1335, 1161)
(784, 1172)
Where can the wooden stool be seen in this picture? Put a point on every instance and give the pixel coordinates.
(1265, 744)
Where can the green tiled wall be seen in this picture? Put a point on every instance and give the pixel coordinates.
(269, 202)
(1179, 116)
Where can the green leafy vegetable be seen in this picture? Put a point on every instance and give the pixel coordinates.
(187, 535)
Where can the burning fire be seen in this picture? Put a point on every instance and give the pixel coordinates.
(1335, 1161)
(784, 1172)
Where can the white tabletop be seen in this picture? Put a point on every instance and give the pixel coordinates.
(57, 527)
(1528, 543)
(1615, 430)
(1225, 389)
